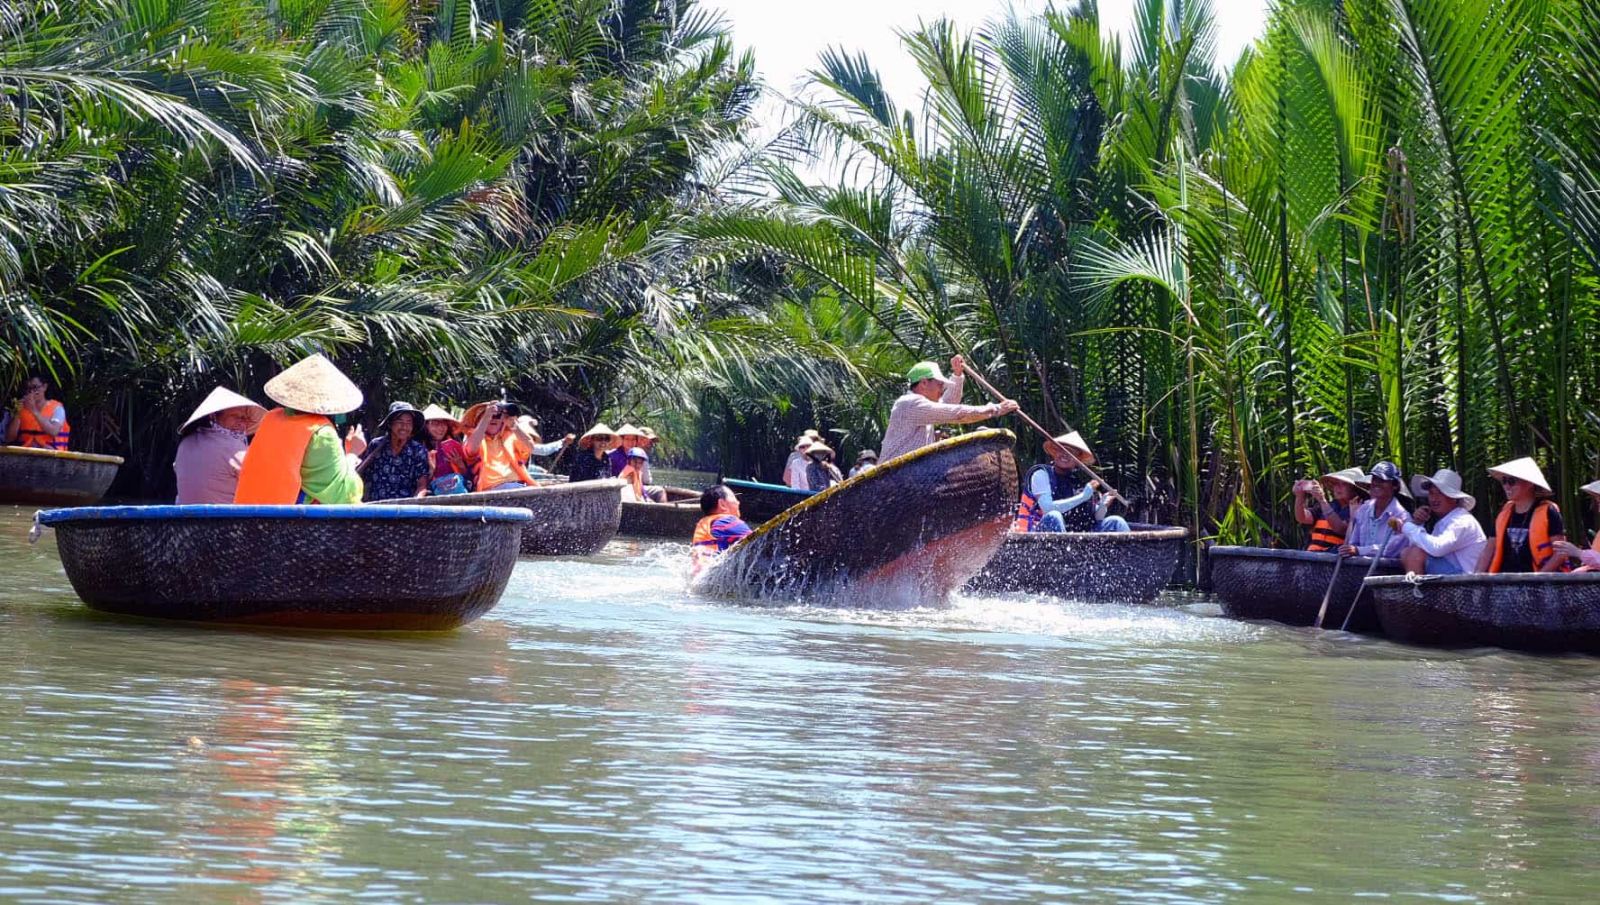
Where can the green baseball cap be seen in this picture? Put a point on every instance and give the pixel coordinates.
(925, 370)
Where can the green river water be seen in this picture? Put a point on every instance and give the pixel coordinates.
(604, 736)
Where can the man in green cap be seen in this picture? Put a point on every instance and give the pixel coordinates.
(933, 399)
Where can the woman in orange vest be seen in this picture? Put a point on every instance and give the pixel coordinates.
(497, 447)
(37, 422)
(296, 456)
(1589, 559)
(1528, 527)
(1328, 520)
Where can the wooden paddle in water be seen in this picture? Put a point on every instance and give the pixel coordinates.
(989, 388)
(1327, 595)
(1384, 542)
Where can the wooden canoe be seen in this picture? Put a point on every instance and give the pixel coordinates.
(568, 519)
(54, 477)
(760, 502)
(907, 533)
(1287, 586)
(415, 568)
(1129, 567)
(675, 518)
(1533, 612)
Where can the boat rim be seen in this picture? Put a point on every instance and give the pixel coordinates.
(348, 512)
(1503, 578)
(1227, 551)
(64, 454)
(539, 490)
(737, 483)
(1160, 532)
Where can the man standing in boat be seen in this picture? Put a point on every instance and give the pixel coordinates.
(932, 399)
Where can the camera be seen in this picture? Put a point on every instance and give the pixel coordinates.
(510, 408)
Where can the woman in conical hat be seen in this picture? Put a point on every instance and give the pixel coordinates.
(451, 472)
(212, 450)
(296, 455)
(592, 462)
(1329, 520)
(1588, 557)
(1528, 527)
(629, 438)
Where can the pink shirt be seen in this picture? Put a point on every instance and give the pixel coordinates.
(448, 449)
(912, 419)
(208, 465)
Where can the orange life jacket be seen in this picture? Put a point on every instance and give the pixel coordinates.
(32, 434)
(498, 460)
(1029, 512)
(705, 547)
(270, 474)
(1538, 534)
(1323, 538)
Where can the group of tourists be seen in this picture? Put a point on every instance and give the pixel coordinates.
(811, 466)
(233, 450)
(1359, 513)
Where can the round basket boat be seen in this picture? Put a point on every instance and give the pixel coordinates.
(760, 502)
(675, 518)
(568, 519)
(1129, 567)
(907, 533)
(1287, 586)
(54, 477)
(1534, 612)
(341, 567)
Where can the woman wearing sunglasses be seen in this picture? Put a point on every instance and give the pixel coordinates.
(1528, 527)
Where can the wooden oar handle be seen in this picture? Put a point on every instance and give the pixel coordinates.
(989, 388)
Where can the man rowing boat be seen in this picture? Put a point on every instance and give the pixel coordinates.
(932, 399)
(1056, 499)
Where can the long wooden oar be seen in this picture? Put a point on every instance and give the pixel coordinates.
(989, 388)
(1388, 532)
(1327, 595)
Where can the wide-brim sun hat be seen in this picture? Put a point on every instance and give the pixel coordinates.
(925, 370)
(474, 414)
(1354, 477)
(866, 455)
(436, 413)
(402, 408)
(819, 447)
(648, 434)
(314, 385)
(599, 430)
(1523, 469)
(220, 400)
(1075, 444)
(1446, 482)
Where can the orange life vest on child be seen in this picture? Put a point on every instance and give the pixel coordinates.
(270, 474)
(31, 433)
(1323, 538)
(1538, 534)
(497, 461)
(635, 479)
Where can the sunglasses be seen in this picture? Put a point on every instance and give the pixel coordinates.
(1426, 486)
(1509, 481)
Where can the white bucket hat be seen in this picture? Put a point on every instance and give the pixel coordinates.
(1075, 443)
(315, 386)
(1447, 482)
(1523, 469)
(220, 400)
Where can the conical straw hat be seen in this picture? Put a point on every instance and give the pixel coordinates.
(1074, 441)
(220, 400)
(628, 430)
(313, 385)
(435, 413)
(1592, 488)
(599, 430)
(1523, 469)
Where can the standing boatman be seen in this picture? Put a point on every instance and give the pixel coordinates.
(932, 399)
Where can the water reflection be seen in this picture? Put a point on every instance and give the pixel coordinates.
(604, 735)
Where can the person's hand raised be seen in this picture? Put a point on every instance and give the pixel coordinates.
(355, 441)
(958, 366)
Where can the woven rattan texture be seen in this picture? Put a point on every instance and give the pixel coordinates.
(674, 520)
(52, 480)
(1287, 586)
(1526, 612)
(1130, 568)
(568, 519)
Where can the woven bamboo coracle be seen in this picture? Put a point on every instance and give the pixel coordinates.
(568, 519)
(54, 477)
(345, 567)
(1535, 612)
(675, 518)
(1287, 586)
(759, 503)
(907, 533)
(1129, 567)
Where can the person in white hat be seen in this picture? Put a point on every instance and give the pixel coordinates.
(1456, 542)
(215, 439)
(593, 460)
(1588, 558)
(821, 473)
(932, 399)
(1329, 519)
(632, 476)
(794, 470)
(296, 455)
(451, 474)
(866, 460)
(1054, 493)
(629, 438)
(1528, 526)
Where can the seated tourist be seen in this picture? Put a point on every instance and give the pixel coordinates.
(634, 489)
(720, 528)
(1587, 559)
(1456, 541)
(396, 465)
(496, 447)
(37, 422)
(593, 460)
(296, 456)
(541, 449)
(1529, 524)
(1369, 533)
(1056, 498)
(451, 473)
(1328, 520)
(212, 448)
(866, 460)
(821, 473)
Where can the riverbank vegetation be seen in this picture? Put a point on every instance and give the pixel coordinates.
(1376, 235)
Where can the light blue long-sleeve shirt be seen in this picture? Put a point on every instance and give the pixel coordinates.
(1040, 486)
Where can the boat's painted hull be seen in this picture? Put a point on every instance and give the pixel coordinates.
(1550, 613)
(1130, 567)
(1288, 585)
(54, 478)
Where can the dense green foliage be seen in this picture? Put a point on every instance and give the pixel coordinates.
(1375, 236)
